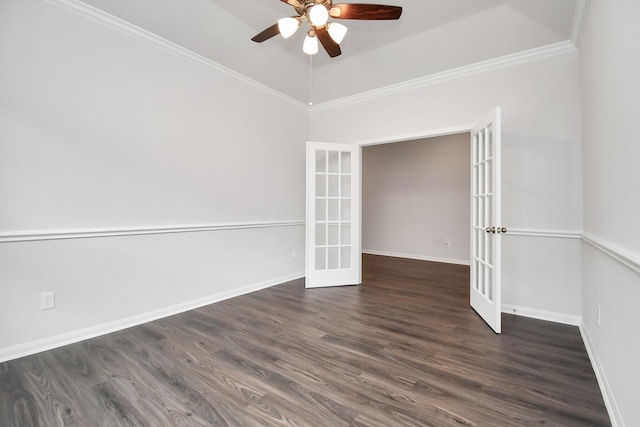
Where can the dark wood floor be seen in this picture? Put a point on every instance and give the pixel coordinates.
(403, 349)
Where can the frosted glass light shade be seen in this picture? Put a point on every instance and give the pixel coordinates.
(337, 31)
(318, 15)
(287, 26)
(310, 45)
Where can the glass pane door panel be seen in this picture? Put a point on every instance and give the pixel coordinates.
(345, 234)
(321, 234)
(345, 257)
(345, 164)
(488, 175)
(476, 179)
(489, 251)
(321, 161)
(489, 288)
(345, 211)
(321, 258)
(333, 258)
(321, 185)
(334, 234)
(476, 280)
(321, 209)
(345, 186)
(334, 210)
(334, 162)
(334, 186)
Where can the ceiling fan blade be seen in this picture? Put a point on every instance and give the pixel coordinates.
(272, 31)
(294, 3)
(365, 11)
(332, 48)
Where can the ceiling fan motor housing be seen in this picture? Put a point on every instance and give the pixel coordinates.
(308, 4)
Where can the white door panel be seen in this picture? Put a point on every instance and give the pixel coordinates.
(486, 226)
(333, 215)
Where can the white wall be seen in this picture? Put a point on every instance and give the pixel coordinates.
(542, 169)
(103, 132)
(416, 196)
(611, 104)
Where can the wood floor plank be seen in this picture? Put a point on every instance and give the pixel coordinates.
(402, 349)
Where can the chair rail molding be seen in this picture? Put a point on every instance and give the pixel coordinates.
(27, 236)
(559, 234)
(626, 258)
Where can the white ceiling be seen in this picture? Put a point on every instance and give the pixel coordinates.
(431, 36)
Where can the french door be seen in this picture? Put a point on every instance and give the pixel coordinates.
(486, 227)
(333, 215)
(333, 224)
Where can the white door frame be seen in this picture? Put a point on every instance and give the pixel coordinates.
(418, 135)
(415, 136)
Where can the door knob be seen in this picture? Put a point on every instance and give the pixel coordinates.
(502, 230)
(490, 230)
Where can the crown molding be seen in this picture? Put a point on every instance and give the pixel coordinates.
(579, 21)
(94, 14)
(103, 18)
(531, 55)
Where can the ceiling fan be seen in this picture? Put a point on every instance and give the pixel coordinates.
(317, 13)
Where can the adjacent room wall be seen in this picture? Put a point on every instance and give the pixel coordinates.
(416, 197)
(105, 135)
(611, 104)
(542, 171)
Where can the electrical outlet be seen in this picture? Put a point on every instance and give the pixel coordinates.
(447, 243)
(294, 255)
(47, 300)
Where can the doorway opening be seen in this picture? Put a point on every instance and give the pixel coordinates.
(416, 199)
(334, 200)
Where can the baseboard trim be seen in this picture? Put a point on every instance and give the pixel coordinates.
(418, 257)
(605, 389)
(535, 313)
(56, 341)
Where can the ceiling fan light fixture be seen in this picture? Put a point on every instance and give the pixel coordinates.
(318, 15)
(337, 31)
(288, 26)
(310, 45)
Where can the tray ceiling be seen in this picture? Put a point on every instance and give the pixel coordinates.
(432, 36)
